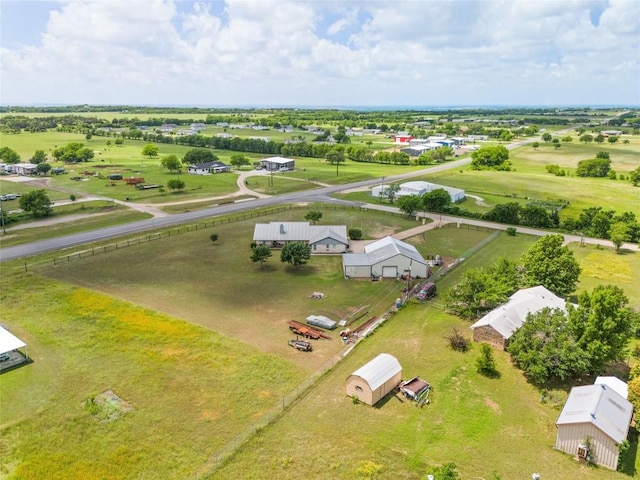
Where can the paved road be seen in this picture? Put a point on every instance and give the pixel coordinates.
(322, 194)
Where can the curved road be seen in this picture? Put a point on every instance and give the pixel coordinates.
(322, 194)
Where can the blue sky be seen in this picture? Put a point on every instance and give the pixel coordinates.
(320, 52)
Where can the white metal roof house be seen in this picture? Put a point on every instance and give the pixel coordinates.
(371, 382)
(497, 326)
(208, 168)
(322, 238)
(593, 423)
(387, 258)
(277, 163)
(420, 188)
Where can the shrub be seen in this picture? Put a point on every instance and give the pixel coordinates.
(355, 233)
(511, 231)
(213, 237)
(485, 363)
(72, 197)
(457, 341)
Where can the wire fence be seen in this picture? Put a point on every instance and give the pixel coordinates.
(217, 459)
(112, 247)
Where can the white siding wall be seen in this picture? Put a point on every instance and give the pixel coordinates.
(357, 272)
(603, 448)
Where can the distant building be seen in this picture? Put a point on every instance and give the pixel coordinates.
(273, 164)
(208, 168)
(198, 126)
(420, 188)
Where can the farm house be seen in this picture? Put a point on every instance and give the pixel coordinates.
(593, 423)
(497, 326)
(371, 382)
(322, 238)
(208, 168)
(387, 258)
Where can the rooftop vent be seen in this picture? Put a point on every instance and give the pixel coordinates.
(282, 228)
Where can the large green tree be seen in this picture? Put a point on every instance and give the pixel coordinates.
(260, 253)
(436, 200)
(37, 203)
(603, 324)
(39, 156)
(238, 160)
(295, 253)
(176, 184)
(198, 156)
(150, 150)
(495, 158)
(409, 204)
(8, 155)
(481, 290)
(171, 163)
(546, 348)
(619, 233)
(73, 152)
(552, 265)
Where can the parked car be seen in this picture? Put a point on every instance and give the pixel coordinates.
(427, 291)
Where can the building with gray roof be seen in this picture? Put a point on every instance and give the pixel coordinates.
(321, 238)
(386, 258)
(497, 326)
(593, 423)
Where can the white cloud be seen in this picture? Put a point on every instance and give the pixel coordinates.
(301, 52)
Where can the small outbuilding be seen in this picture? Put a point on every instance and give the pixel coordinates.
(371, 382)
(593, 423)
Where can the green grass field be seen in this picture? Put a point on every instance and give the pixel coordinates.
(179, 327)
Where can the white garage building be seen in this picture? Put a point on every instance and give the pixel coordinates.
(387, 258)
(420, 188)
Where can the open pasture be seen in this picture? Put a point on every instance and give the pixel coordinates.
(217, 286)
(190, 389)
(182, 377)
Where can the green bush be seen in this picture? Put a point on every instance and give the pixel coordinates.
(511, 231)
(355, 234)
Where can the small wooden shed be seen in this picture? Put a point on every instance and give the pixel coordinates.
(371, 382)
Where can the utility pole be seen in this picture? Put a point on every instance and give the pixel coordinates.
(4, 231)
